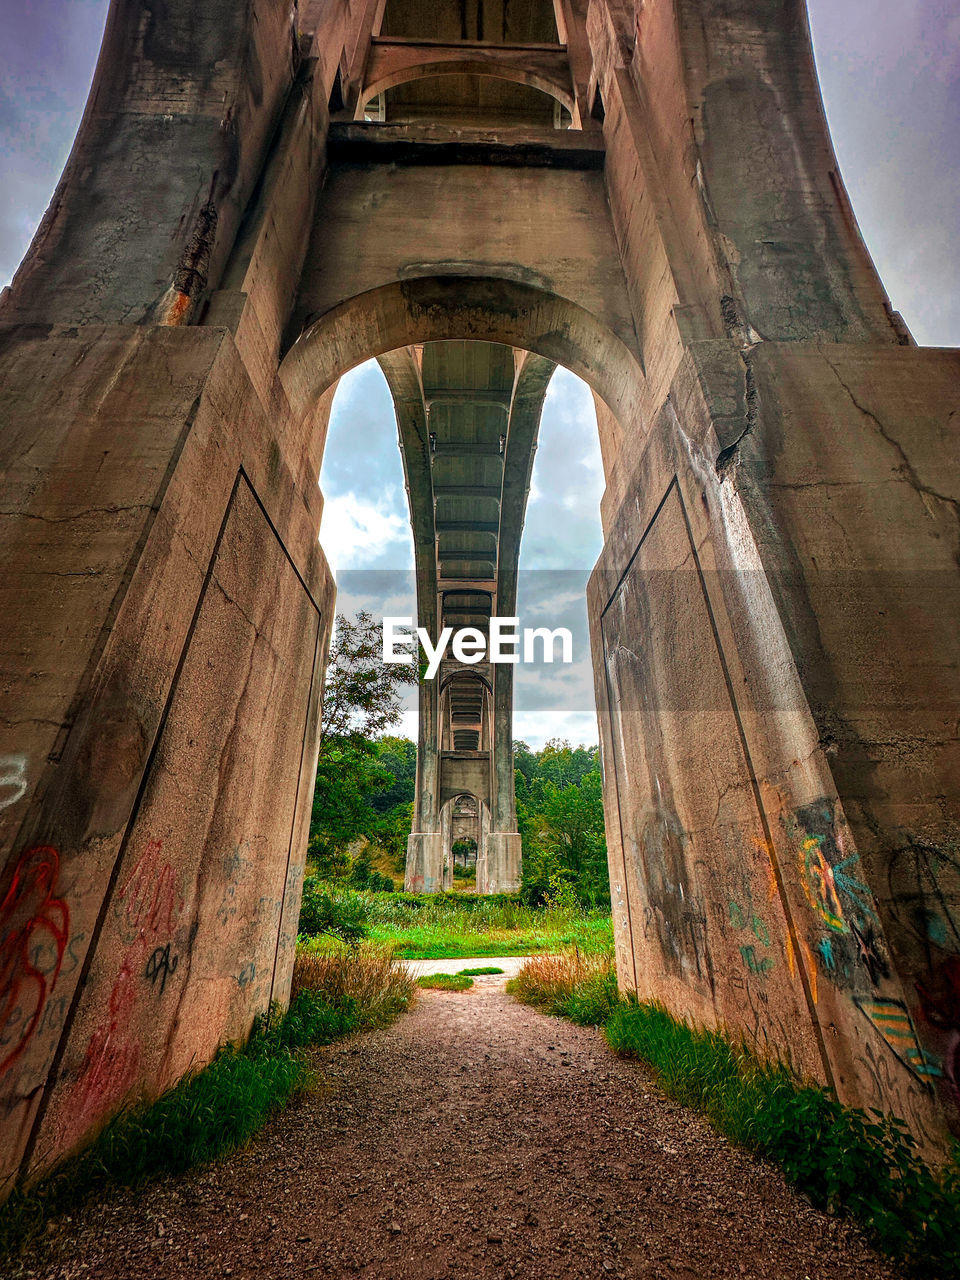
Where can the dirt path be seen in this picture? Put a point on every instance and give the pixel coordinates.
(475, 1138)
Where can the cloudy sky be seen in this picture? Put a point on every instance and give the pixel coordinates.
(890, 73)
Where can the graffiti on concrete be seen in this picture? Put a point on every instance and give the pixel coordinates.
(13, 779)
(148, 901)
(160, 966)
(828, 871)
(924, 885)
(892, 1091)
(675, 916)
(147, 910)
(745, 922)
(34, 935)
(869, 952)
(112, 1056)
(891, 1020)
(845, 937)
(925, 896)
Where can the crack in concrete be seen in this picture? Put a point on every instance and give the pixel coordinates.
(78, 515)
(907, 466)
(727, 458)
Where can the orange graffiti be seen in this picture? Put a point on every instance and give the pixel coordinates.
(811, 970)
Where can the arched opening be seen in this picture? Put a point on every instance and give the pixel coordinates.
(463, 307)
(468, 92)
(468, 413)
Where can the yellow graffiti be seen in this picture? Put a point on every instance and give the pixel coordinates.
(819, 886)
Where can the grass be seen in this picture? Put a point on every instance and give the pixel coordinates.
(445, 982)
(570, 985)
(458, 925)
(480, 973)
(863, 1166)
(214, 1111)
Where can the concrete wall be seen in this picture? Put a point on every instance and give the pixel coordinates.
(777, 711)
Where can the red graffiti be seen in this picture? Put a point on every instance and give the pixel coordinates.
(148, 908)
(149, 897)
(110, 1062)
(30, 916)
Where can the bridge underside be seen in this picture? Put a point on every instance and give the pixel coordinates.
(468, 414)
(259, 199)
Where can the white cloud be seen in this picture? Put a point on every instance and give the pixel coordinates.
(355, 530)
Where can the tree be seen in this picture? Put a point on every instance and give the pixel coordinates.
(362, 693)
(399, 756)
(362, 698)
(560, 820)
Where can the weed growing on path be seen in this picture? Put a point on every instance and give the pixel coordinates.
(480, 973)
(846, 1161)
(445, 982)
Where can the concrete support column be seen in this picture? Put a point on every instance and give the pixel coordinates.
(502, 845)
(425, 849)
(446, 846)
(501, 862)
(483, 851)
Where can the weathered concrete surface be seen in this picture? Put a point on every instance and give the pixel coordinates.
(548, 229)
(150, 856)
(777, 675)
(774, 630)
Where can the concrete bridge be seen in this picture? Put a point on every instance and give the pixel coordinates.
(468, 414)
(260, 197)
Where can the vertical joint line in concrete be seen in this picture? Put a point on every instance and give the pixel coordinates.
(758, 799)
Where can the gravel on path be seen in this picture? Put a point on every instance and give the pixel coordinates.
(473, 1138)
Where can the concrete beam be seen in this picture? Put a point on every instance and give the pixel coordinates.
(433, 144)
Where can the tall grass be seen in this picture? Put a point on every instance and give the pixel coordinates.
(572, 985)
(448, 926)
(214, 1111)
(373, 983)
(864, 1166)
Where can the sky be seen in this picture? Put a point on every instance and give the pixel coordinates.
(890, 77)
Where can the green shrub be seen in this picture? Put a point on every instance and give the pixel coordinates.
(338, 915)
(571, 985)
(445, 982)
(479, 973)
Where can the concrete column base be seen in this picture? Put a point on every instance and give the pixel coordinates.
(424, 872)
(500, 869)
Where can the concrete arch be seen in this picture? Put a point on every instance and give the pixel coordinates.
(431, 66)
(466, 675)
(488, 308)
